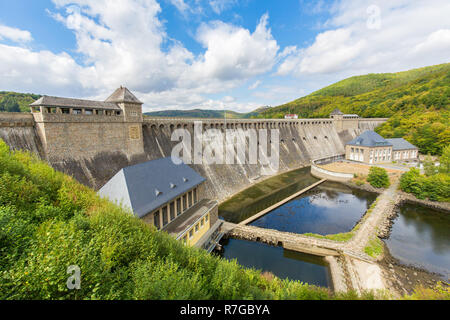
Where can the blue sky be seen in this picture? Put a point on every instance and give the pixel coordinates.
(212, 54)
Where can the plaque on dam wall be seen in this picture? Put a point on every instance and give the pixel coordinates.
(134, 133)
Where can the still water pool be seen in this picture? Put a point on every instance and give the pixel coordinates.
(421, 236)
(282, 263)
(329, 208)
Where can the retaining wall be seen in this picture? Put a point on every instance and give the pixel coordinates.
(322, 173)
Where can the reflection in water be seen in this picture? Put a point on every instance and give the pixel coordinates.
(420, 236)
(329, 208)
(282, 263)
(264, 194)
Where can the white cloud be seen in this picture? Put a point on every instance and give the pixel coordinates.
(125, 43)
(255, 85)
(218, 6)
(438, 41)
(398, 35)
(234, 53)
(14, 34)
(180, 5)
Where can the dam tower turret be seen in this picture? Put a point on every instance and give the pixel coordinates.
(76, 128)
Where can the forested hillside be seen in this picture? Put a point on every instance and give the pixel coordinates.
(199, 113)
(416, 101)
(16, 102)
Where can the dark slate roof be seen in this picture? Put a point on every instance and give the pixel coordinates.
(50, 101)
(369, 139)
(122, 94)
(336, 111)
(401, 144)
(147, 186)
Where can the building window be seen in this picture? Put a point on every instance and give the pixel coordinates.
(88, 111)
(172, 211)
(76, 111)
(190, 198)
(197, 226)
(206, 217)
(178, 206)
(65, 111)
(191, 233)
(164, 215)
(202, 222)
(185, 240)
(195, 195)
(184, 202)
(156, 220)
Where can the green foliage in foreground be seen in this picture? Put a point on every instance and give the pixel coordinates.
(378, 177)
(417, 103)
(48, 222)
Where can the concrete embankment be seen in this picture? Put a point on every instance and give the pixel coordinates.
(322, 173)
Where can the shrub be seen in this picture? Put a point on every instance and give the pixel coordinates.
(378, 177)
(428, 166)
(435, 187)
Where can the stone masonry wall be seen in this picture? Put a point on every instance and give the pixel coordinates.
(93, 148)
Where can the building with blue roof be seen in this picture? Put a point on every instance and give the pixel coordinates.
(371, 148)
(168, 196)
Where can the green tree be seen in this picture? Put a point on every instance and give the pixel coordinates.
(444, 161)
(378, 177)
(428, 166)
(9, 104)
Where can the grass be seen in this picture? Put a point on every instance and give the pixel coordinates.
(374, 247)
(342, 237)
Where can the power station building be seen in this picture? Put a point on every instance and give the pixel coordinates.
(170, 197)
(371, 148)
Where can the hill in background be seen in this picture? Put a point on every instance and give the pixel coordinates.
(16, 102)
(416, 101)
(199, 113)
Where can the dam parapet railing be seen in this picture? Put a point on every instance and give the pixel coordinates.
(322, 173)
(16, 119)
(222, 123)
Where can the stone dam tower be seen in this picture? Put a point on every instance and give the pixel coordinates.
(93, 140)
(73, 127)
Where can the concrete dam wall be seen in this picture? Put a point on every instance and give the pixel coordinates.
(300, 142)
